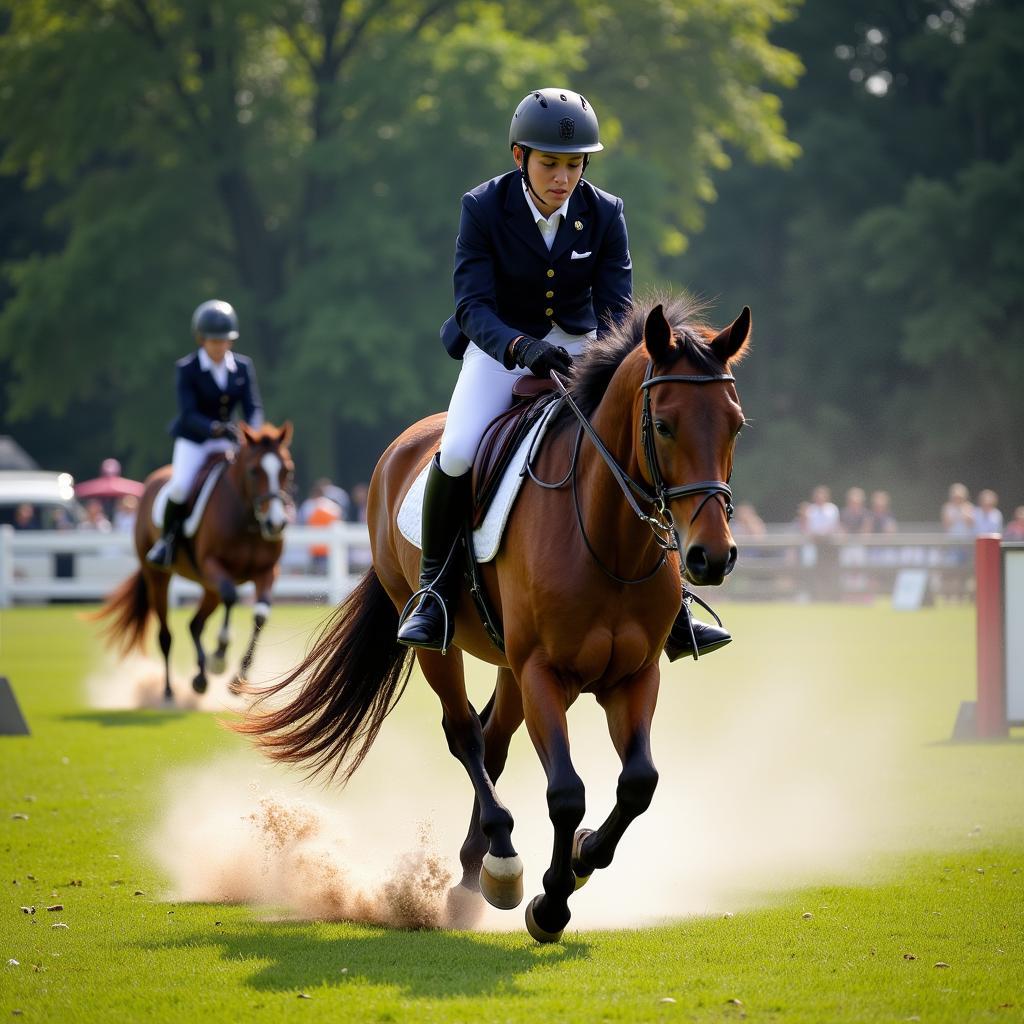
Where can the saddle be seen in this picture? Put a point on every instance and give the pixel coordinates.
(530, 398)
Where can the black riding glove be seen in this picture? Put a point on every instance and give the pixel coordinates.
(541, 357)
(219, 428)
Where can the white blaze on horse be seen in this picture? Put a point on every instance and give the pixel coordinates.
(238, 539)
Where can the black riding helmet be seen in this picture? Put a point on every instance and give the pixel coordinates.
(554, 121)
(215, 319)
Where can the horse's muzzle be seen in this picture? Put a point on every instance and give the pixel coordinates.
(705, 569)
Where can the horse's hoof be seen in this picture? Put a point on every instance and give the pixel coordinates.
(464, 908)
(501, 881)
(199, 683)
(577, 865)
(217, 663)
(540, 934)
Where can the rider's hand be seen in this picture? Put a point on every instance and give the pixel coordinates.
(541, 357)
(229, 430)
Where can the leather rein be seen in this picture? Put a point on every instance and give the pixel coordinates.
(661, 523)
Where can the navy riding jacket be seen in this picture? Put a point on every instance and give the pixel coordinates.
(507, 283)
(201, 402)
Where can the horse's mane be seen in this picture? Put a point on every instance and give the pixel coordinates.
(593, 370)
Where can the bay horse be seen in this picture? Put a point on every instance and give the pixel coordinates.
(239, 538)
(586, 585)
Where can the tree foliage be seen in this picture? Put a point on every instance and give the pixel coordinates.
(305, 159)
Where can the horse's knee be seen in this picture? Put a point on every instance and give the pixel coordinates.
(636, 787)
(567, 802)
(228, 592)
(465, 737)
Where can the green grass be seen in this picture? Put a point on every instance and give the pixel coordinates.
(929, 888)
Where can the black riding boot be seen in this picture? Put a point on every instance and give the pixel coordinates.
(445, 507)
(161, 554)
(690, 636)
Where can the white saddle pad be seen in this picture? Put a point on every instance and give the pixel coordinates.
(487, 536)
(196, 516)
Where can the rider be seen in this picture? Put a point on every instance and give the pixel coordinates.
(541, 264)
(211, 382)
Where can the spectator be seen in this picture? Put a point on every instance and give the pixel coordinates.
(855, 512)
(958, 512)
(25, 517)
(124, 514)
(359, 496)
(321, 491)
(1015, 527)
(880, 519)
(822, 514)
(987, 517)
(319, 510)
(746, 522)
(95, 517)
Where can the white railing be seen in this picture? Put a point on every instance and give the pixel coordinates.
(38, 566)
(54, 565)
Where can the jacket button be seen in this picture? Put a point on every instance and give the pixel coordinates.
(548, 311)
(551, 272)
(549, 295)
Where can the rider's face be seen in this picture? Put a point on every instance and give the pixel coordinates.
(216, 348)
(553, 177)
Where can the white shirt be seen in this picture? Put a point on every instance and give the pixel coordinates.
(220, 370)
(822, 519)
(548, 226)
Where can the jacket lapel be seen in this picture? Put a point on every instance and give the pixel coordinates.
(568, 236)
(520, 221)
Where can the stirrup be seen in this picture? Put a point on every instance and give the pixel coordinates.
(163, 559)
(408, 611)
(688, 598)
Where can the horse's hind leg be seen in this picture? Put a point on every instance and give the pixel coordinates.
(221, 579)
(157, 584)
(465, 737)
(209, 602)
(500, 719)
(629, 708)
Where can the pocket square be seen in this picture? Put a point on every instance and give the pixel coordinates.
(580, 255)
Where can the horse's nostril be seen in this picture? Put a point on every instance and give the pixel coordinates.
(731, 561)
(697, 561)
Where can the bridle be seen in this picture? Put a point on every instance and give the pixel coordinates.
(661, 522)
(259, 505)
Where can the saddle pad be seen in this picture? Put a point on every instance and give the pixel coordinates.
(487, 536)
(195, 517)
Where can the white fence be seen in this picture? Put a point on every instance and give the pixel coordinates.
(319, 563)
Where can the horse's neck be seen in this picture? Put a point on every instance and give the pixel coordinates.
(612, 524)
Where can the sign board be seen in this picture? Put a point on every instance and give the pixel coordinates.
(1013, 630)
(910, 591)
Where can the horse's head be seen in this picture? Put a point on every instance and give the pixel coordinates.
(266, 471)
(690, 417)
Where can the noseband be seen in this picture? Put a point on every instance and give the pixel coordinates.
(661, 523)
(258, 505)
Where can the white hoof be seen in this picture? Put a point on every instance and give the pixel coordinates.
(501, 881)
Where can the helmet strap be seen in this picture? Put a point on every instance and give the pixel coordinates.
(526, 174)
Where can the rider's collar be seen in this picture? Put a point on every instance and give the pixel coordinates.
(206, 363)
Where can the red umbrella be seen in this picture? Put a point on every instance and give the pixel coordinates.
(109, 487)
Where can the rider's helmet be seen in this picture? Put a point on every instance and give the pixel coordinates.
(215, 319)
(556, 121)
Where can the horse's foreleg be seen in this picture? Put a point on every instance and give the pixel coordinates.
(157, 583)
(465, 737)
(500, 720)
(629, 708)
(545, 702)
(206, 606)
(260, 614)
(217, 576)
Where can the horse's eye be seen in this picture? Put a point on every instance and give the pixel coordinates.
(663, 428)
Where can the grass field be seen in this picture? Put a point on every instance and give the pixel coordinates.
(820, 851)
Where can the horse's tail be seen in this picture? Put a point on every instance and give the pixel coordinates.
(126, 613)
(357, 673)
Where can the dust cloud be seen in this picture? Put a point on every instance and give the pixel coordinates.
(760, 793)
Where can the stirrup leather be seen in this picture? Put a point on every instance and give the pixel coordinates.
(688, 598)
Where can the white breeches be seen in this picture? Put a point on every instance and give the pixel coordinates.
(483, 390)
(188, 457)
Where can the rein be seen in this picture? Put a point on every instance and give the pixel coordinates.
(661, 523)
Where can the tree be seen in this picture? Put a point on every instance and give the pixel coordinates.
(305, 159)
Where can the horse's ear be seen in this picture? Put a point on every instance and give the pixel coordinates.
(284, 435)
(247, 432)
(729, 343)
(658, 335)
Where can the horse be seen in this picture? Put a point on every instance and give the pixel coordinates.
(634, 495)
(239, 538)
